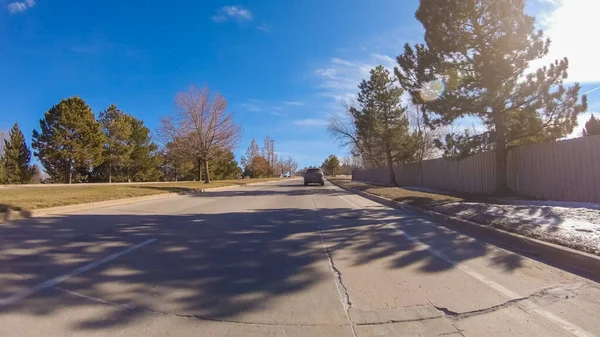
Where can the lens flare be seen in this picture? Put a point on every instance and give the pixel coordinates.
(433, 90)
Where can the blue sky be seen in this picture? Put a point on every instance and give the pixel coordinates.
(283, 66)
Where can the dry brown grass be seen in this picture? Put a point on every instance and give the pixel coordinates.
(30, 198)
(415, 198)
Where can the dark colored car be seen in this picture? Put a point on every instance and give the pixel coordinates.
(314, 176)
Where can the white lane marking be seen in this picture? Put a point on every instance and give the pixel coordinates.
(573, 329)
(346, 200)
(500, 288)
(59, 279)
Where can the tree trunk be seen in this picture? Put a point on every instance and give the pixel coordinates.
(199, 178)
(390, 165)
(207, 180)
(500, 148)
(109, 173)
(70, 168)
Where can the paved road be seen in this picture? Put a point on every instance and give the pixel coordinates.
(277, 259)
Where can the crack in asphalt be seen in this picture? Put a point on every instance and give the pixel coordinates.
(189, 316)
(338, 278)
(557, 293)
(342, 290)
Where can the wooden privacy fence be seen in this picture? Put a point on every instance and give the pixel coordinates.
(567, 170)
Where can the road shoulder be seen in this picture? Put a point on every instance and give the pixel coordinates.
(583, 263)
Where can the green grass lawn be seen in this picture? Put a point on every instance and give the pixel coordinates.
(30, 198)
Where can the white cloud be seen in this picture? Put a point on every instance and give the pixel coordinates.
(257, 105)
(254, 105)
(339, 78)
(336, 60)
(311, 122)
(569, 25)
(308, 152)
(16, 7)
(238, 13)
(264, 27)
(250, 106)
(329, 72)
(384, 60)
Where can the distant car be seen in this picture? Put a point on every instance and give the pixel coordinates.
(314, 176)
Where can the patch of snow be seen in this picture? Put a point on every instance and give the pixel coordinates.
(565, 204)
(577, 228)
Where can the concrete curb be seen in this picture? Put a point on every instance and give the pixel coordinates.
(16, 215)
(553, 254)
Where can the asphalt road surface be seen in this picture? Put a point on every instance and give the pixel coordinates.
(277, 259)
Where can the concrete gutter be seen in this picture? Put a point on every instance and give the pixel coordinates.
(25, 214)
(583, 263)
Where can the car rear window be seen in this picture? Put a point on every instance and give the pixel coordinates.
(313, 170)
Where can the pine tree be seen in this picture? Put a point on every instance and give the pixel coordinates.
(69, 141)
(144, 160)
(481, 50)
(592, 127)
(381, 123)
(331, 165)
(117, 132)
(224, 166)
(17, 158)
(176, 166)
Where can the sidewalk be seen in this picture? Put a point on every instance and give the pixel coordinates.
(574, 225)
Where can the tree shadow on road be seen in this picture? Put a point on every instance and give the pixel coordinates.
(223, 266)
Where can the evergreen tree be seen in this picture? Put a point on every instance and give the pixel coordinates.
(69, 141)
(117, 131)
(224, 166)
(144, 160)
(331, 165)
(592, 127)
(176, 166)
(17, 158)
(380, 121)
(479, 51)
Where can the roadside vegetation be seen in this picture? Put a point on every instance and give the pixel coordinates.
(573, 226)
(479, 62)
(405, 196)
(192, 150)
(194, 143)
(30, 198)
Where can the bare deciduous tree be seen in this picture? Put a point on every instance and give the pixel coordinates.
(3, 136)
(268, 151)
(342, 128)
(427, 148)
(290, 165)
(201, 127)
